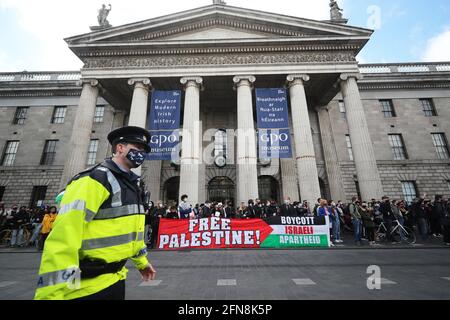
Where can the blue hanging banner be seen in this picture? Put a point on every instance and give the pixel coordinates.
(164, 125)
(274, 137)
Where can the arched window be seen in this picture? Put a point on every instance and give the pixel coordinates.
(220, 143)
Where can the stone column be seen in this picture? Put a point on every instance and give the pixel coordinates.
(139, 107)
(191, 154)
(151, 174)
(81, 132)
(246, 166)
(365, 162)
(289, 179)
(330, 153)
(308, 176)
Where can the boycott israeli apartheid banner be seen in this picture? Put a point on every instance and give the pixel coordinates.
(217, 233)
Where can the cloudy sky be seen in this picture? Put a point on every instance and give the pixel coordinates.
(32, 31)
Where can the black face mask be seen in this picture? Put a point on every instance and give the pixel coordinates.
(136, 157)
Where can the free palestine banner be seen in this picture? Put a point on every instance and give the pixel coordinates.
(217, 233)
(164, 124)
(274, 137)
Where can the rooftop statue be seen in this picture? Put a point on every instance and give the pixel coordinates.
(102, 15)
(336, 12)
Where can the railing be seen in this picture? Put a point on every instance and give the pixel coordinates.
(40, 76)
(404, 68)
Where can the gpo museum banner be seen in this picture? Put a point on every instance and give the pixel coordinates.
(274, 138)
(220, 233)
(164, 125)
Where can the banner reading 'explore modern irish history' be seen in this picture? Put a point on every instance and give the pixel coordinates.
(164, 125)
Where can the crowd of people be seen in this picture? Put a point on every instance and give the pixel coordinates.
(431, 219)
(22, 221)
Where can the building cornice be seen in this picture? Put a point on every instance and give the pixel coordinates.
(40, 93)
(229, 49)
(217, 60)
(395, 86)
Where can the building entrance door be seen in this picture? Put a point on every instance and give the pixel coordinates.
(172, 191)
(221, 189)
(268, 189)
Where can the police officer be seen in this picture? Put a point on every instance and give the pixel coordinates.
(100, 226)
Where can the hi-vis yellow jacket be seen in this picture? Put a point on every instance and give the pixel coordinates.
(101, 217)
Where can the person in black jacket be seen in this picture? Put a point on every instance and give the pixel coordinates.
(206, 212)
(173, 213)
(250, 212)
(287, 209)
(19, 218)
(272, 210)
(388, 216)
(445, 220)
(155, 213)
(229, 212)
(420, 217)
(437, 212)
(258, 209)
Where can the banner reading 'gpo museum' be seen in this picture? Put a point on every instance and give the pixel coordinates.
(219, 233)
(274, 138)
(164, 124)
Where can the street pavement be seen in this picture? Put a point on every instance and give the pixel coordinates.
(407, 272)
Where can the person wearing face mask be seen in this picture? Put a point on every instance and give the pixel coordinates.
(287, 209)
(99, 227)
(184, 208)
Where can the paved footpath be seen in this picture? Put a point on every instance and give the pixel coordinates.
(337, 273)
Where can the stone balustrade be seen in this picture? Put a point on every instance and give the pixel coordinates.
(404, 68)
(40, 76)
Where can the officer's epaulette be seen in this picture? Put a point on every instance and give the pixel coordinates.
(85, 172)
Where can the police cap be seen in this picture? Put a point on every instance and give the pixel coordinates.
(134, 135)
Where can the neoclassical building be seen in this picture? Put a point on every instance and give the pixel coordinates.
(356, 129)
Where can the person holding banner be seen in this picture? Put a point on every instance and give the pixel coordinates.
(287, 209)
(185, 208)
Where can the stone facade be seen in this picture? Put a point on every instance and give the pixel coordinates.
(228, 57)
(27, 172)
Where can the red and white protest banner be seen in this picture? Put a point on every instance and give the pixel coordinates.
(211, 233)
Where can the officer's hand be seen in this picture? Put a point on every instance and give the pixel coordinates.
(149, 273)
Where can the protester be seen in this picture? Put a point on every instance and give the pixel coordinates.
(367, 218)
(47, 225)
(148, 221)
(287, 209)
(437, 212)
(219, 212)
(172, 214)
(421, 216)
(240, 212)
(184, 208)
(36, 221)
(356, 220)
(206, 212)
(2, 215)
(336, 223)
(316, 207)
(19, 218)
(445, 221)
(322, 210)
(386, 209)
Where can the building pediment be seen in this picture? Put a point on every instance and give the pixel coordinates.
(217, 22)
